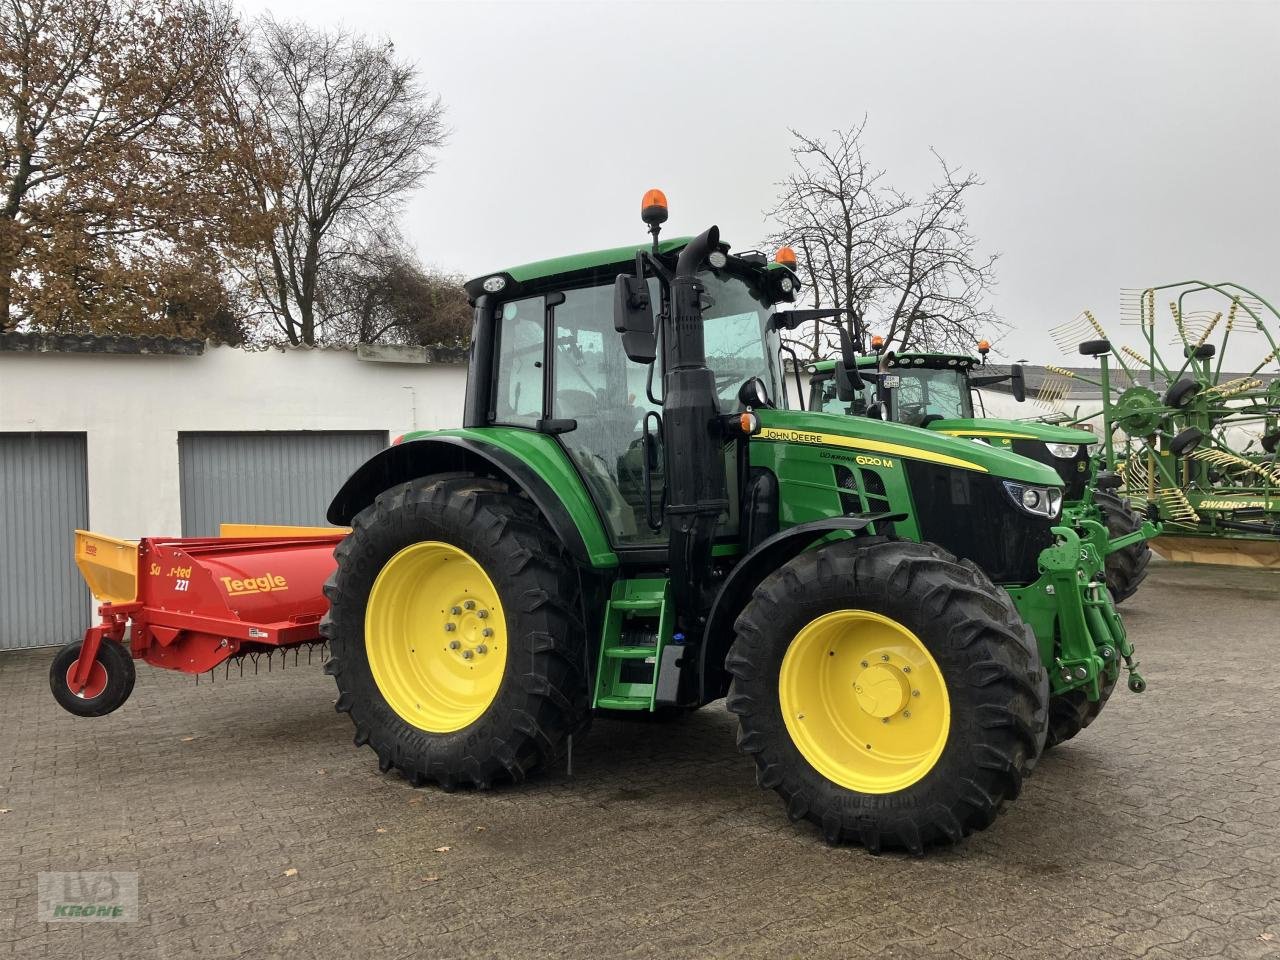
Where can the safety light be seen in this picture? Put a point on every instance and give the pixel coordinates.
(984, 347)
(717, 259)
(653, 208)
(877, 342)
(494, 284)
(749, 423)
(785, 256)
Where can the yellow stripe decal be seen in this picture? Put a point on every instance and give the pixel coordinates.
(986, 433)
(858, 443)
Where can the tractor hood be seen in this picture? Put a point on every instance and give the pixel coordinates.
(879, 438)
(1013, 430)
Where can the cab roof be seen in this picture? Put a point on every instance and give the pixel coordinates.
(574, 266)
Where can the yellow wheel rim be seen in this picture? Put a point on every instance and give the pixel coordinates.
(864, 701)
(436, 637)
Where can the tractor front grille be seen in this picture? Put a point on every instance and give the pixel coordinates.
(970, 514)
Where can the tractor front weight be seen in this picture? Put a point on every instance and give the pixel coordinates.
(1080, 635)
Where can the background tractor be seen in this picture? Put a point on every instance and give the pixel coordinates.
(626, 521)
(937, 390)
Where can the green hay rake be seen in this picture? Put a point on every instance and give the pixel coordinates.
(1195, 446)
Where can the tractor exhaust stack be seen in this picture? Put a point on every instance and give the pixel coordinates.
(693, 438)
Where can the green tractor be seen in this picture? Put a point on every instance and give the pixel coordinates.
(627, 523)
(936, 391)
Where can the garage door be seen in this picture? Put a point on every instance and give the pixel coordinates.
(44, 497)
(266, 477)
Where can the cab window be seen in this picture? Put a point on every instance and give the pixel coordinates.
(518, 378)
(829, 400)
(599, 388)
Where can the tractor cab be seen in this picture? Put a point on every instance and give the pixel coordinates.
(915, 388)
(561, 366)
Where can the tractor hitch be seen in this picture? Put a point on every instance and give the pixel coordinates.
(1073, 616)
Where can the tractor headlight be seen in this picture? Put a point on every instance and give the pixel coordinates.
(1037, 501)
(1064, 451)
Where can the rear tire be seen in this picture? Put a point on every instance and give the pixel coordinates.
(539, 694)
(983, 655)
(1127, 568)
(110, 682)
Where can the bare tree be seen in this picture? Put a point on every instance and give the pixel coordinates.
(114, 149)
(379, 292)
(834, 212)
(908, 268)
(353, 132)
(935, 279)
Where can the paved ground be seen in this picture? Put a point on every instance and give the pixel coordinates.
(1155, 834)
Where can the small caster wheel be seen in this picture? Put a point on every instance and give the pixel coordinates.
(109, 685)
(1136, 683)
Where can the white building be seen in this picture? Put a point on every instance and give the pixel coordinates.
(155, 437)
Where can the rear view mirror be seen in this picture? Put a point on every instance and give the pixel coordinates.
(633, 318)
(1018, 382)
(848, 380)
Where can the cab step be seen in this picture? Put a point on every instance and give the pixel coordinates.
(637, 626)
(630, 653)
(623, 703)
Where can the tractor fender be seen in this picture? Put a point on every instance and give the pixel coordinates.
(742, 581)
(445, 454)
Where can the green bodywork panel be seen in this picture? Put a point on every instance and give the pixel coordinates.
(801, 456)
(811, 433)
(546, 458)
(1079, 633)
(1080, 636)
(993, 430)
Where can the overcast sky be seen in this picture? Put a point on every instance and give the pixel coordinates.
(1121, 144)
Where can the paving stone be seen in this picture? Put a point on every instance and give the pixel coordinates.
(1154, 833)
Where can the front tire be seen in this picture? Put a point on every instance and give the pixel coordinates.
(883, 636)
(1127, 568)
(457, 643)
(1071, 712)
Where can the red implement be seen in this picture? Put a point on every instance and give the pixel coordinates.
(190, 604)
